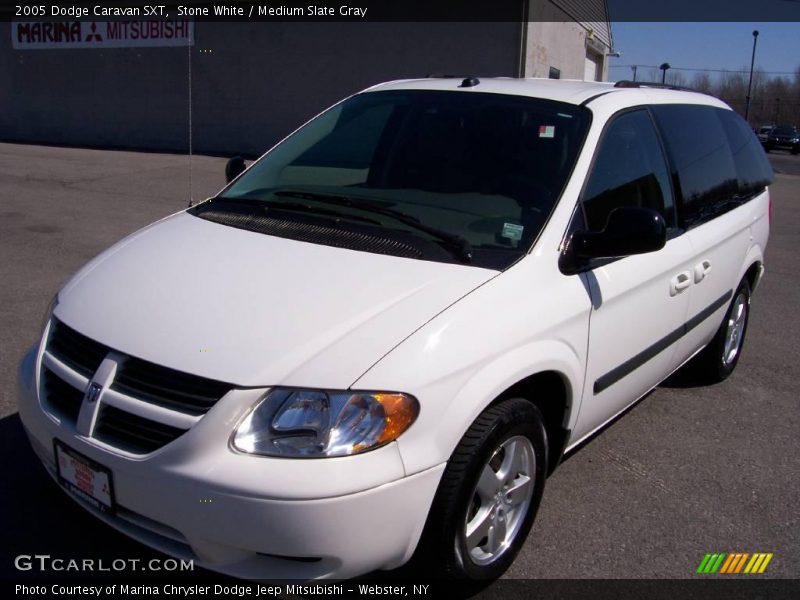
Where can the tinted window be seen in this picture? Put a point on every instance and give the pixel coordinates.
(349, 146)
(752, 166)
(629, 170)
(487, 168)
(700, 153)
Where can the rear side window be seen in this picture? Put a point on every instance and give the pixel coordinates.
(698, 146)
(752, 166)
(629, 170)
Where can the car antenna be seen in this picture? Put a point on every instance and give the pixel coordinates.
(191, 187)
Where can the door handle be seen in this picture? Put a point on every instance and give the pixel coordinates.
(701, 270)
(680, 282)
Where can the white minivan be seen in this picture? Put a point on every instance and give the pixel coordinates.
(379, 339)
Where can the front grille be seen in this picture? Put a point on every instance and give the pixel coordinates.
(168, 388)
(131, 432)
(141, 428)
(64, 399)
(75, 350)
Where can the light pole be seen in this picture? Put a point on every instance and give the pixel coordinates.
(664, 67)
(634, 71)
(750, 84)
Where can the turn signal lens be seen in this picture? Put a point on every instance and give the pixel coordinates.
(400, 414)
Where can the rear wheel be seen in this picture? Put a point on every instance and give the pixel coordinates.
(718, 360)
(488, 496)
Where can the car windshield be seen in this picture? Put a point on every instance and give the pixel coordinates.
(784, 131)
(463, 176)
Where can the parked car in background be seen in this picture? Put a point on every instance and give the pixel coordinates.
(379, 339)
(763, 133)
(783, 138)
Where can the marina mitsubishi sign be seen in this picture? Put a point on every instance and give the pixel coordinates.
(41, 35)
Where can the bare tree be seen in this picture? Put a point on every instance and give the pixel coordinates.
(773, 100)
(702, 83)
(779, 92)
(675, 78)
(733, 89)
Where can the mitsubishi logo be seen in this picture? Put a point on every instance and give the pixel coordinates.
(93, 392)
(94, 36)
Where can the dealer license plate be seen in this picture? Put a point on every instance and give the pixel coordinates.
(84, 477)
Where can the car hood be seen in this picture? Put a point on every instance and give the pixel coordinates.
(255, 310)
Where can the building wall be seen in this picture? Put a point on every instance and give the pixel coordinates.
(251, 83)
(593, 14)
(555, 39)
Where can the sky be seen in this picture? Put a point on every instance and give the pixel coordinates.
(704, 46)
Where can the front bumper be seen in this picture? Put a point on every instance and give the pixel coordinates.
(783, 144)
(249, 516)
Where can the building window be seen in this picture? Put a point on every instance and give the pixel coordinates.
(555, 73)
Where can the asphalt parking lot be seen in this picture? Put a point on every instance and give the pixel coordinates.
(688, 470)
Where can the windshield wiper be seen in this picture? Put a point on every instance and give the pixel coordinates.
(267, 205)
(462, 248)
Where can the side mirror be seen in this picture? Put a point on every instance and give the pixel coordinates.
(629, 230)
(234, 167)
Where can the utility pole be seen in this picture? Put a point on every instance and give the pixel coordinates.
(750, 85)
(634, 71)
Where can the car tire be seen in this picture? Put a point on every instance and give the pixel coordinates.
(795, 150)
(488, 496)
(719, 358)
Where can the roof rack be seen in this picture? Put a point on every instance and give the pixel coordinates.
(652, 84)
(469, 81)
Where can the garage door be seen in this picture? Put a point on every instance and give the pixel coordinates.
(590, 69)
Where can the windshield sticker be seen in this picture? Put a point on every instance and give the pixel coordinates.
(547, 131)
(512, 231)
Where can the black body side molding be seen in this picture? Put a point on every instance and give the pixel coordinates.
(630, 365)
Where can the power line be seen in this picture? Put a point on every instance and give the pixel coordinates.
(699, 69)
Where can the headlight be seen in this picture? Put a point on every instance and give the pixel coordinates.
(317, 423)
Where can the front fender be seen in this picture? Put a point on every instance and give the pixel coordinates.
(450, 405)
(460, 362)
(491, 381)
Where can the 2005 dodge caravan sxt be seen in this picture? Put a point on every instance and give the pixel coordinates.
(379, 339)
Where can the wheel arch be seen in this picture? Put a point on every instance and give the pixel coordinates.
(549, 391)
(753, 273)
